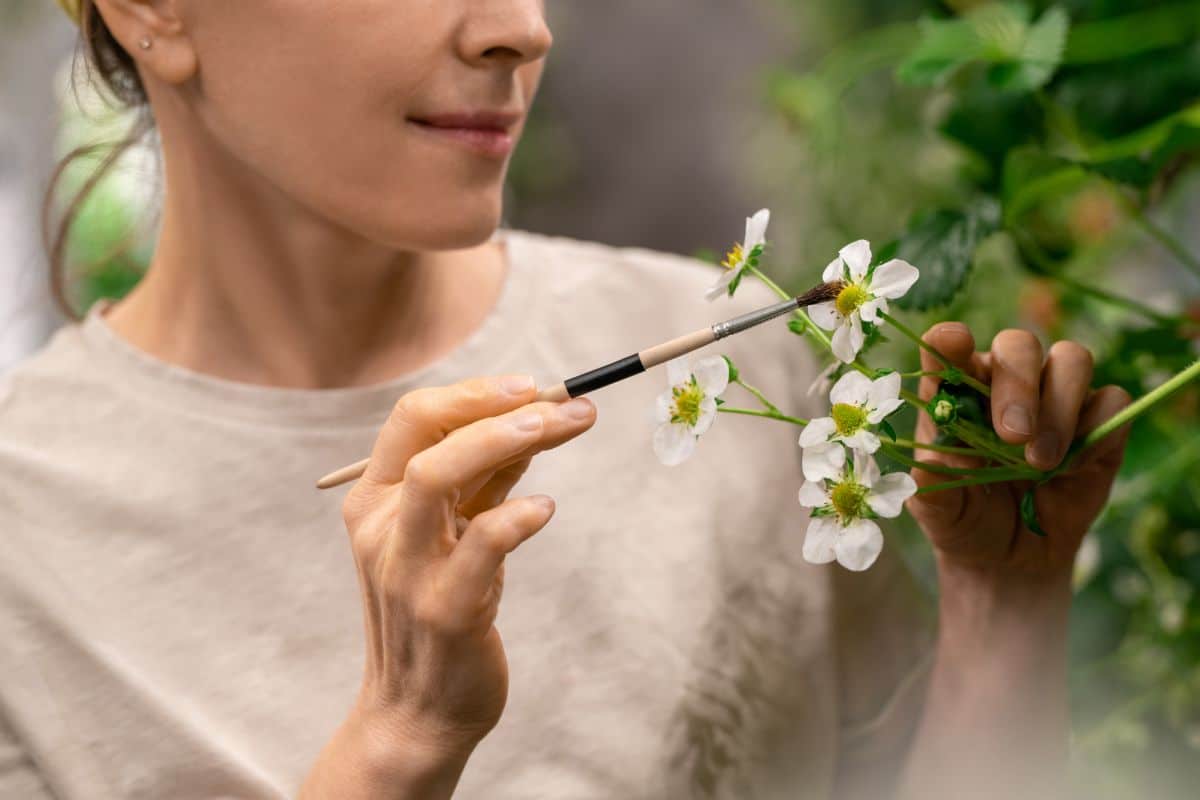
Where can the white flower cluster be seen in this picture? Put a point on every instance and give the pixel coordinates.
(846, 494)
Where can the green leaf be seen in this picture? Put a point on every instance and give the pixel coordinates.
(797, 326)
(733, 285)
(1040, 56)
(719, 401)
(1029, 513)
(941, 244)
(1032, 176)
(885, 427)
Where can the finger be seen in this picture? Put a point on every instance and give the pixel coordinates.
(1016, 376)
(495, 490)
(1105, 456)
(1066, 378)
(423, 417)
(490, 537)
(434, 478)
(953, 340)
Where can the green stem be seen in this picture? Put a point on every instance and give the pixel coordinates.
(1011, 475)
(1161, 235)
(754, 412)
(982, 388)
(799, 313)
(1008, 472)
(937, 448)
(1131, 412)
(761, 397)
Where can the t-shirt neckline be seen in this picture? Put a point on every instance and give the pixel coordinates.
(487, 350)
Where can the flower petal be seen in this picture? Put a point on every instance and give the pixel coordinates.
(870, 309)
(866, 471)
(708, 413)
(678, 372)
(819, 540)
(862, 440)
(756, 229)
(893, 279)
(853, 388)
(882, 412)
(843, 341)
(821, 382)
(673, 443)
(883, 390)
(857, 256)
(817, 431)
(887, 496)
(813, 495)
(833, 271)
(825, 315)
(858, 545)
(823, 461)
(719, 288)
(664, 404)
(712, 375)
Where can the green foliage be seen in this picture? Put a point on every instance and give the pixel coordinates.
(1063, 135)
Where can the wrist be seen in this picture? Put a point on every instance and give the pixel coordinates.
(398, 751)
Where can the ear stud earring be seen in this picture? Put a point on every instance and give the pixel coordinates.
(145, 42)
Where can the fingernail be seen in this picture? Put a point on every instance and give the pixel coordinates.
(529, 421)
(1017, 419)
(1045, 447)
(578, 408)
(516, 384)
(545, 501)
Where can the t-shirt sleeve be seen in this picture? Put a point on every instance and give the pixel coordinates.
(19, 777)
(883, 635)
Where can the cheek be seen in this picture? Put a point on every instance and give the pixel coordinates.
(320, 116)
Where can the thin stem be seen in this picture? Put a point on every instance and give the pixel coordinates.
(982, 388)
(974, 471)
(799, 313)
(937, 448)
(1131, 412)
(761, 397)
(1161, 235)
(996, 478)
(754, 412)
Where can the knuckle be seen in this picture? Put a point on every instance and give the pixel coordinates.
(476, 390)
(422, 473)
(413, 408)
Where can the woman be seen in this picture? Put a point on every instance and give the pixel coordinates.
(178, 607)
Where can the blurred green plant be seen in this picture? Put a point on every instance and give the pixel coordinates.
(1039, 152)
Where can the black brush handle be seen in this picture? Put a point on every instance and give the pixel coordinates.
(603, 376)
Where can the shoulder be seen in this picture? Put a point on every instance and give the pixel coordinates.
(35, 392)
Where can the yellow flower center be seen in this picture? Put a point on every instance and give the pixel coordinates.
(850, 298)
(734, 257)
(849, 499)
(848, 418)
(687, 403)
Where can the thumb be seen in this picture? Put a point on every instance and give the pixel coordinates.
(935, 510)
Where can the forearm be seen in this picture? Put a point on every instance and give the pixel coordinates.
(369, 761)
(996, 720)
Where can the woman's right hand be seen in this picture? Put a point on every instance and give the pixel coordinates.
(430, 526)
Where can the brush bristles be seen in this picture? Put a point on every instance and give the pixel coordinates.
(820, 294)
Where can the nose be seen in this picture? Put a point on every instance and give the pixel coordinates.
(506, 32)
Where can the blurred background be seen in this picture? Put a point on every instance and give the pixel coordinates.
(1037, 161)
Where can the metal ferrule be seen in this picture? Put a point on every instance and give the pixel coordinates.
(745, 321)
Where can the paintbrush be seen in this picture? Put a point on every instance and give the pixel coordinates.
(641, 361)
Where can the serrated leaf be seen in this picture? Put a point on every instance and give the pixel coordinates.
(941, 244)
(1040, 55)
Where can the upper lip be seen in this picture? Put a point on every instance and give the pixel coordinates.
(479, 120)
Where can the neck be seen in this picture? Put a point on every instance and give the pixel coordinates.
(247, 285)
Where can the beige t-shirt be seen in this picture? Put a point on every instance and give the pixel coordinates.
(179, 611)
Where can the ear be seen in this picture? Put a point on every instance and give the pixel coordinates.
(171, 56)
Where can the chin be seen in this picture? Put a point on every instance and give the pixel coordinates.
(470, 224)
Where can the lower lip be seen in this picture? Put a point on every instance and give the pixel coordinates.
(494, 143)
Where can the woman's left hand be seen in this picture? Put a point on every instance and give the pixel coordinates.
(1044, 404)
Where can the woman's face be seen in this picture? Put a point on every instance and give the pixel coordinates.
(330, 103)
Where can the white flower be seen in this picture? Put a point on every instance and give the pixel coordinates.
(866, 293)
(738, 258)
(844, 530)
(687, 409)
(822, 382)
(858, 402)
